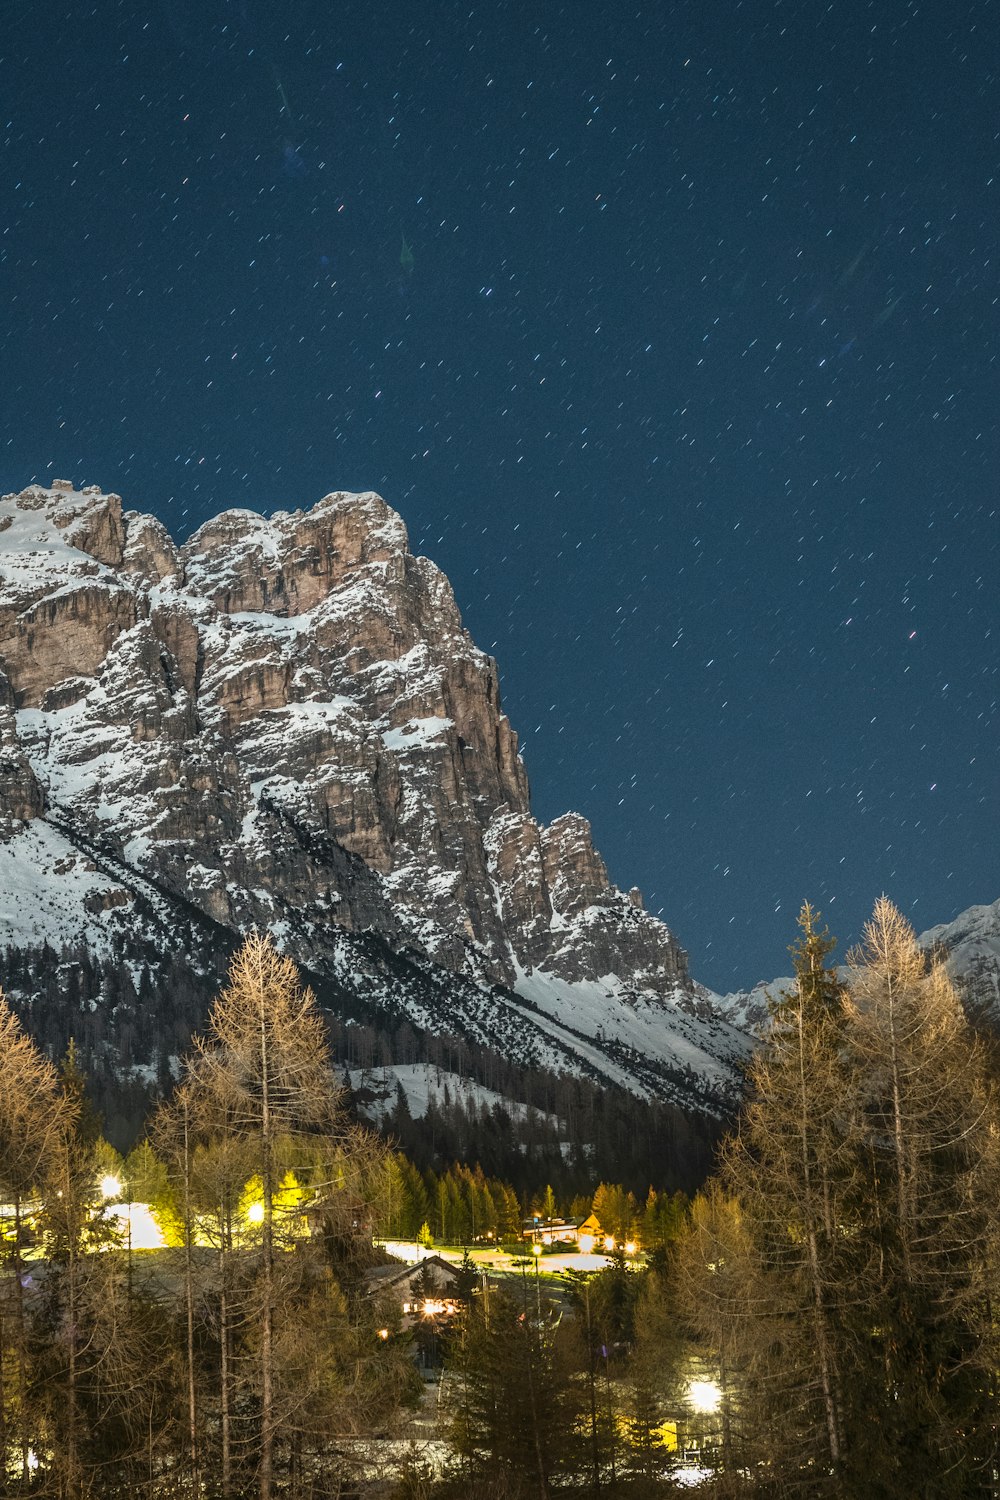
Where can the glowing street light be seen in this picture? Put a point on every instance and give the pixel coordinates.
(255, 1213)
(704, 1396)
(535, 1251)
(110, 1186)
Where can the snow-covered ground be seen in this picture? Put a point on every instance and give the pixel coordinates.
(608, 1008)
(422, 1082)
(412, 1254)
(51, 893)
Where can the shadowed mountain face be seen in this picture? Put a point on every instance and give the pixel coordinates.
(284, 723)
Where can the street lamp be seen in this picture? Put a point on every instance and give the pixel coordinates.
(536, 1251)
(705, 1396)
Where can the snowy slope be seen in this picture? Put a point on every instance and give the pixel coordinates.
(50, 892)
(971, 945)
(284, 723)
(422, 1083)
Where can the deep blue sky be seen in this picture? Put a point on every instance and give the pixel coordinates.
(691, 386)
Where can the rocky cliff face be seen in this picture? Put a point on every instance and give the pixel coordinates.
(283, 722)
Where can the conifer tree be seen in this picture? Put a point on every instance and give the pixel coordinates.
(35, 1124)
(259, 1100)
(841, 1275)
(775, 1287)
(925, 1350)
(518, 1414)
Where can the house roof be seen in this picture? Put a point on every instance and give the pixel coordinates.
(388, 1276)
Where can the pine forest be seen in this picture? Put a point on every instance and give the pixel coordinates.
(222, 1310)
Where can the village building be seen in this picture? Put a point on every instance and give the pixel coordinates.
(586, 1234)
(428, 1290)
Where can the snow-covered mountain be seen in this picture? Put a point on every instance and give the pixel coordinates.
(283, 723)
(971, 948)
(970, 945)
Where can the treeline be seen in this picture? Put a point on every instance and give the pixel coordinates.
(246, 1358)
(249, 1354)
(462, 1206)
(131, 1013)
(818, 1322)
(583, 1134)
(824, 1323)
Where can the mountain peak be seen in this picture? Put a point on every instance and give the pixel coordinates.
(284, 722)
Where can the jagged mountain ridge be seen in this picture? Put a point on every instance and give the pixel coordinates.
(969, 945)
(283, 722)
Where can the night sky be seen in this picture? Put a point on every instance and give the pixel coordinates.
(670, 329)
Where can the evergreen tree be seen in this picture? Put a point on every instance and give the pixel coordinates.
(925, 1352)
(792, 1168)
(840, 1277)
(36, 1120)
(518, 1402)
(270, 1171)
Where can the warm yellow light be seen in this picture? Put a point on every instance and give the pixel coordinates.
(536, 1249)
(432, 1307)
(630, 1247)
(586, 1243)
(609, 1242)
(255, 1213)
(383, 1334)
(137, 1223)
(110, 1186)
(704, 1395)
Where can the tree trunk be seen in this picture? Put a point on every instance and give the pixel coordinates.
(267, 1329)
(819, 1310)
(189, 1303)
(72, 1457)
(22, 1352)
(224, 1379)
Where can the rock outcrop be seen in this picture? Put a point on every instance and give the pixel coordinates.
(283, 722)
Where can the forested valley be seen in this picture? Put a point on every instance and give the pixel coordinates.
(816, 1320)
(129, 1021)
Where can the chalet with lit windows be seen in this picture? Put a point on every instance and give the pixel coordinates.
(586, 1234)
(428, 1291)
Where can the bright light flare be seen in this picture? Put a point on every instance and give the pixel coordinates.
(255, 1213)
(110, 1186)
(704, 1396)
(138, 1225)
